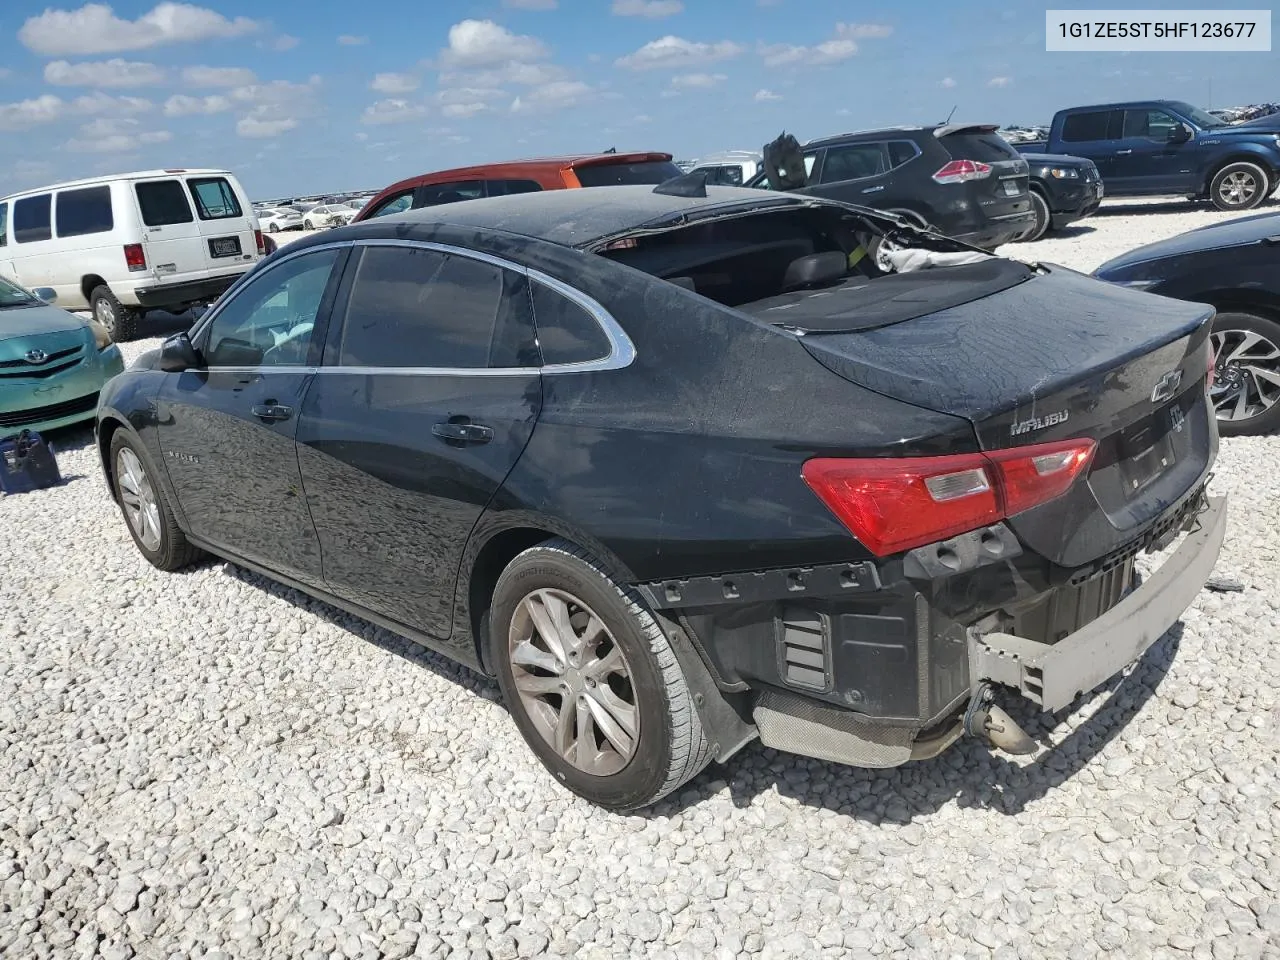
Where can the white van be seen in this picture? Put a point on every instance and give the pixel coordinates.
(732, 168)
(125, 244)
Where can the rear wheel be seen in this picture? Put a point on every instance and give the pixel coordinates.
(880, 247)
(273, 228)
(120, 321)
(146, 511)
(1040, 207)
(591, 680)
(1246, 377)
(1239, 186)
(308, 225)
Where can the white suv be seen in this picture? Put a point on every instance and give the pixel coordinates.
(125, 244)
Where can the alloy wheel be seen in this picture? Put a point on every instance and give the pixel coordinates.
(139, 498)
(1246, 378)
(105, 314)
(1237, 189)
(574, 682)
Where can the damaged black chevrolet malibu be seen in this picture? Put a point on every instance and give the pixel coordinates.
(685, 470)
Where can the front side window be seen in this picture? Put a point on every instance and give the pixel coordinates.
(31, 222)
(215, 200)
(853, 162)
(566, 332)
(163, 203)
(412, 307)
(271, 321)
(1148, 124)
(455, 192)
(503, 188)
(82, 212)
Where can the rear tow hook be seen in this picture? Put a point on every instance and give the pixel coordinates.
(986, 720)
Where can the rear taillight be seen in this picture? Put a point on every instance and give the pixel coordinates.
(962, 171)
(262, 244)
(892, 505)
(134, 257)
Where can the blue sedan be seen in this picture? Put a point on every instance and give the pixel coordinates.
(52, 363)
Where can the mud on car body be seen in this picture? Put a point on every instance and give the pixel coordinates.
(682, 467)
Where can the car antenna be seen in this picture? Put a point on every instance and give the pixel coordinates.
(686, 185)
(612, 150)
(950, 115)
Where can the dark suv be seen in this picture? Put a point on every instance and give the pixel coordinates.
(963, 179)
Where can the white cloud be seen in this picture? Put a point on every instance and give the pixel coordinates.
(999, 81)
(652, 9)
(947, 83)
(30, 113)
(462, 102)
(257, 127)
(394, 83)
(106, 135)
(843, 46)
(99, 103)
(104, 73)
(524, 74)
(530, 4)
(483, 43)
(182, 105)
(763, 96)
(672, 52)
(551, 96)
(392, 110)
(94, 28)
(277, 92)
(864, 31)
(697, 81)
(351, 40)
(284, 42)
(219, 76)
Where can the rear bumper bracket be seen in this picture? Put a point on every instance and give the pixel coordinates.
(828, 580)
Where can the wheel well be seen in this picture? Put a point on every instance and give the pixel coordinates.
(1238, 300)
(106, 430)
(1240, 158)
(492, 560)
(88, 283)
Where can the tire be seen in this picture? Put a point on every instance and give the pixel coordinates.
(145, 509)
(665, 746)
(878, 246)
(1247, 346)
(308, 225)
(1044, 219)
(273, 228)
(121, 322)
(1239, 186)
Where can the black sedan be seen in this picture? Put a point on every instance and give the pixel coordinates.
(1235, 267)
(682, 471)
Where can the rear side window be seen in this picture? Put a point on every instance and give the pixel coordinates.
(566, 332)
(900, 152)
(622, 174)
(31, 222)
(439, 193)
(4, 224)
(853, 162)
(393, 205)
(215, 200)
(163, 203)
(411, 307)
(503, 188)
(1083, 127)
(81, 212)
(982, 147)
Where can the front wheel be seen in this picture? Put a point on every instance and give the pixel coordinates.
(1040, 207)
(591, 680)
(273, 228)
(1239, 186)
(121, 322)
(1246, 376)
(308, 225)
(146, 511)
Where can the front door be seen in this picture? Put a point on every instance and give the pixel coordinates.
(1146, 161)
(227, 429)
(428, 396)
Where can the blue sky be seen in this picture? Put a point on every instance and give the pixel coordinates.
(302, 96)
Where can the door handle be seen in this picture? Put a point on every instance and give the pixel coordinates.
(463, 432)
(1123, 153)
(272, 411)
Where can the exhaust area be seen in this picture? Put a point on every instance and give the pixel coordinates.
(989, 722)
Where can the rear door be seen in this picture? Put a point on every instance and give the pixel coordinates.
(223, 222)
(1095, 135)
(428, 395)
(855, 173)
(170, 232)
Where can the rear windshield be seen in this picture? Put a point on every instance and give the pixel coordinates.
(623, 174)
(163, 203)
(982, 147)
(215, 200)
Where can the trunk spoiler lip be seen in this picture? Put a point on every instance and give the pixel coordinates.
(947, 129)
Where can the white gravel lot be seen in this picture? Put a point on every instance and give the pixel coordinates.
(210, 765)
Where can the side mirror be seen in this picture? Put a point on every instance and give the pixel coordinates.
(47, 294)
(1180, 133)
(178, 354)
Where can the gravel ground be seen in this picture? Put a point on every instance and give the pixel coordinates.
(210, 765)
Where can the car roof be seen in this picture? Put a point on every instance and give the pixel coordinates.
(110, 178)
(937, 129)
(532, 168)
(578, 218)
(1118, 105)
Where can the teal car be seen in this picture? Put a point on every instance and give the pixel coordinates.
(52, 363)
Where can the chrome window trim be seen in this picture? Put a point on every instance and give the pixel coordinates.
(622, 351)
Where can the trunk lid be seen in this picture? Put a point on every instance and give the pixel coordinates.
(1126, 369)
(1005, 192)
